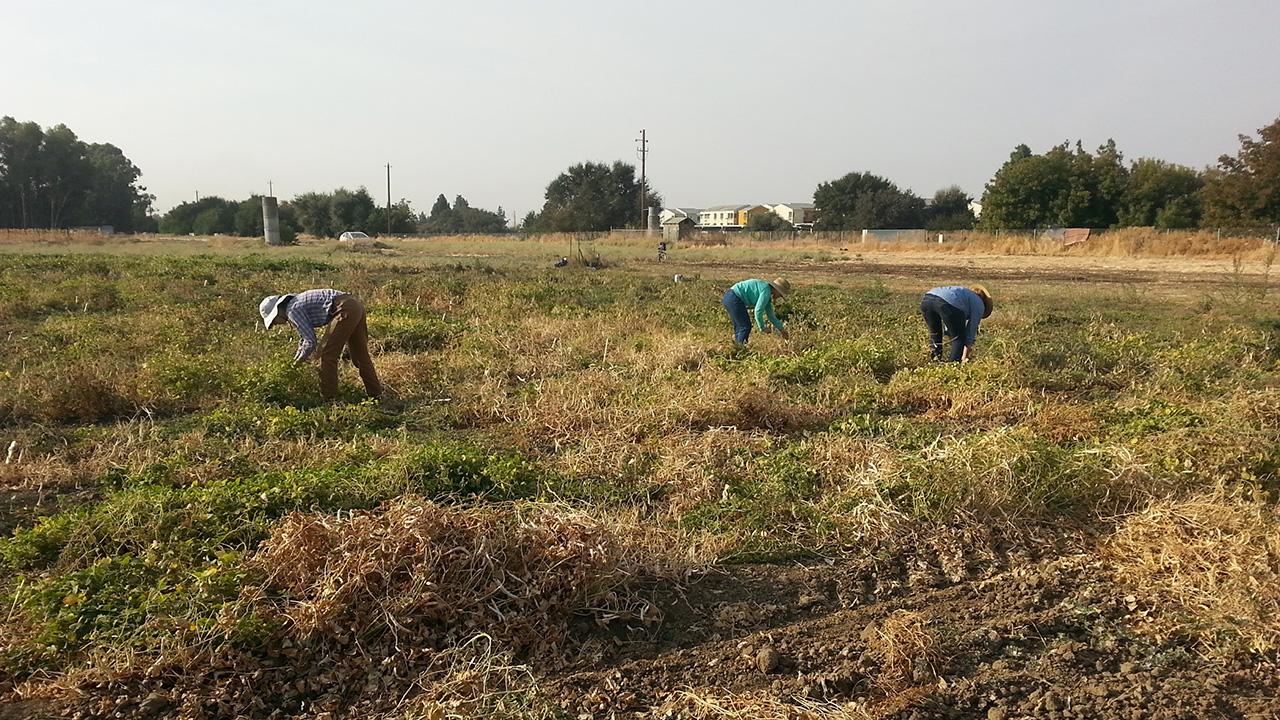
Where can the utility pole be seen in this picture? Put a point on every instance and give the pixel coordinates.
(388, 198)
(643, 150)
(197, 196)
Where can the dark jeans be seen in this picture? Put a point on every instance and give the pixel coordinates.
(740, 316)
(938, 315)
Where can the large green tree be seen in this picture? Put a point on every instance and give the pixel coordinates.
(114, 196)
(403, 220)
(861, 200)
(51, 179)
(1023, 192)
(215, 220)
(593, 196)
(247, 221)
(350, 210)
(65, 173)
(949, 210)
(209, 215)
(441, 217)
(480, 221)
(1063, 187)
(768, 222)
(20, 181)
(331, 214)
(1245, 189)
(462, 218)
(1161, 194)
(311, 209)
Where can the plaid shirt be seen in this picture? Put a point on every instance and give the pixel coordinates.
(307, 311)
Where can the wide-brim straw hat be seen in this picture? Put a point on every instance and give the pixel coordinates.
(269, 308)
(987, 303)
(780, 287)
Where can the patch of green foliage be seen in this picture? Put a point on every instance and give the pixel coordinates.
(197, 521)
(156, 555)
(408, 330)
(1156, 416)
(811, 365)
(264, 421)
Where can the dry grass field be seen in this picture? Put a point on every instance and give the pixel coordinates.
(580, 500)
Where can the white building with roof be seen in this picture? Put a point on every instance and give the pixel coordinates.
(721, 216)
(798, 214)
(669, 214)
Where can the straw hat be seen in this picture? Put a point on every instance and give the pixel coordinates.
(269, 308)
(987, 303)
(781, 287)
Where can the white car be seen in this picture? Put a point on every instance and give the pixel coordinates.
(350, 236)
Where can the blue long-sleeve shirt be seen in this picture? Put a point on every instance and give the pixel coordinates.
(967, 302)
(758, 294)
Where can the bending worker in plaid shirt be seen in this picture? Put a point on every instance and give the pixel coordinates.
(344, 314)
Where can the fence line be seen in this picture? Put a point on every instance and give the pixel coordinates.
(836, 238)
(1067, 236)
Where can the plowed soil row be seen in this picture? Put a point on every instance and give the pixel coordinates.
(1054, 638)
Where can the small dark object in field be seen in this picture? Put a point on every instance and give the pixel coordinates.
(768, 660)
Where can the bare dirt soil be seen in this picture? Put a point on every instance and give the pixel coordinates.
(1179, 272)
(1044, 638)
(999, 635)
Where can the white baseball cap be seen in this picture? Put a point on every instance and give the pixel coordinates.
(269, 308)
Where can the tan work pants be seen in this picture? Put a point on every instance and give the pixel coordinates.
(347, 329)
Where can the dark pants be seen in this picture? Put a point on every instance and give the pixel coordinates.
(347, 329)
(939, 315)
(740, 316)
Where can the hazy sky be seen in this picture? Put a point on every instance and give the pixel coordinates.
(744, 101)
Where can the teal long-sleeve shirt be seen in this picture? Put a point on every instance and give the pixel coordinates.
(758, 294)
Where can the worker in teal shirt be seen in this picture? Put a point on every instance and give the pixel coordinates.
(757, 295)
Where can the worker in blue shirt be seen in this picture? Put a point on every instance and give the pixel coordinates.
(957, 310)
(754, 297)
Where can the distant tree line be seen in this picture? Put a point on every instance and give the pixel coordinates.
(1072, 187)
(212, 215)
(328, 215)
(462, 218)
(52, 179)
(865, 201)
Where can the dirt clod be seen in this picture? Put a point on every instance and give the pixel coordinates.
(768, 660)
